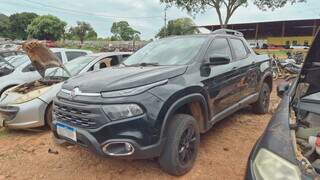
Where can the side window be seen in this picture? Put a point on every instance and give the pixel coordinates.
(125, 56)
(239, 48)
(74, 54)
(219, 46)
(58, 54)
(105, 62)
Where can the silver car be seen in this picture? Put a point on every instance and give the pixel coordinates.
(30, 105)
(17, 70)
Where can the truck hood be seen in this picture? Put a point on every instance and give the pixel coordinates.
(41, 57)
(310, 72)
(118, 78)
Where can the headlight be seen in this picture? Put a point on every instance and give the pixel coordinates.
(122, 111)
(268, 165)
(132, 91)
(31, 95)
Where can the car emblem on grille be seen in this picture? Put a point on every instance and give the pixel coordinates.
(75, 92)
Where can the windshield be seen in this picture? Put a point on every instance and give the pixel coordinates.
(13, 62)
(171, 51)
(74, 67)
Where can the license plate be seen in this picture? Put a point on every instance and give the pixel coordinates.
(67, 131)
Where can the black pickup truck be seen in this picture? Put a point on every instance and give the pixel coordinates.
(161, 98)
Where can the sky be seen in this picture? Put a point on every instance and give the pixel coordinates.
(147, 16)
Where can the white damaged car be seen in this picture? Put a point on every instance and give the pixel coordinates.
(16, 70)
(30, 105)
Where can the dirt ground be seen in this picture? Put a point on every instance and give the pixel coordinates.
(223, 154)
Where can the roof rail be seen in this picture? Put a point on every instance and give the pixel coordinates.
(228, 31)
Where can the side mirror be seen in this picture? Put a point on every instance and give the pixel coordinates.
(219, 60)
(282, 89)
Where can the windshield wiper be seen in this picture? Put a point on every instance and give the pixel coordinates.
(144, 64)
(149, 64)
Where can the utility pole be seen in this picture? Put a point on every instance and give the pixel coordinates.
(165, 21)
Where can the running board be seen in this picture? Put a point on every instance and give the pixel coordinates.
(232, 109)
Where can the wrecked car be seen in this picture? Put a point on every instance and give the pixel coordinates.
(16, 70)
(30, 105)
(289, 147)
(161, 98)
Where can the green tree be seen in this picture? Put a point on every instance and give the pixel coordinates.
(46, 27)
(4, 26)
(122, 31)
(91, 35)
(81, 30)
(227, 6)
(274, 4)
(19, 23)
(181, 26)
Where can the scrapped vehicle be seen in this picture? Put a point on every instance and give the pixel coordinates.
(289, 147)
(161, 98)
(18, 70)
(30, 105)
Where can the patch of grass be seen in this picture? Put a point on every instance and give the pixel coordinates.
(3, 132)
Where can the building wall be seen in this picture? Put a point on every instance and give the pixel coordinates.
(293, 40)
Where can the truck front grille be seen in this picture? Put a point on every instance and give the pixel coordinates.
(75, 117)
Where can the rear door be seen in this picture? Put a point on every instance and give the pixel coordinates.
(248, 69)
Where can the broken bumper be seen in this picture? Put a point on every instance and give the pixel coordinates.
(24, 116)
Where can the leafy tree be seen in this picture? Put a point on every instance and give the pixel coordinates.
(46, 27)
(91, 35)
(4, 25)
(230, 6)
(273, 4)
(181, 26)
(19, 23)
(122, 31)
(81, 30)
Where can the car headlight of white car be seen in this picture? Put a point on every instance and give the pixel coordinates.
(31, 95)
(268, 165)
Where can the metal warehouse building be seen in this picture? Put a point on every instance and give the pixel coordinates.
(279, 33)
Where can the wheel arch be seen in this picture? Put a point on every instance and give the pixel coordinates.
(267, 78)
(197, 106)
(46, 112)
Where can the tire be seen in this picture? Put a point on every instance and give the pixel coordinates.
(183, 135)
(262, 105)
(48, 116)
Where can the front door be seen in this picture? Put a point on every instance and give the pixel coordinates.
(222, 81)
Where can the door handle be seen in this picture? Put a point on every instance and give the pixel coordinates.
(234, 68)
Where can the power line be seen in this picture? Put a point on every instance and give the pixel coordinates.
(89, 13)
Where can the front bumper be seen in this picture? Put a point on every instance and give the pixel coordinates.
(89, 140)
(24, 116)
(94, 129)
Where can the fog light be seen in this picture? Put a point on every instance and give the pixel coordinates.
(118, 149)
